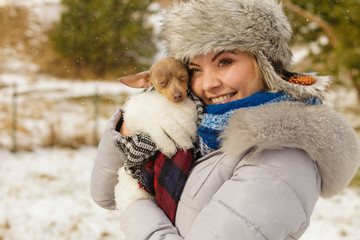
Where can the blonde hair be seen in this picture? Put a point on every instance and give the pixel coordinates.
(258, 72)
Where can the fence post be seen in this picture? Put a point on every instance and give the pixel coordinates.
(96, 115)
(14, 118)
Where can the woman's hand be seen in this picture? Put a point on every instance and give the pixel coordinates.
(124, 130)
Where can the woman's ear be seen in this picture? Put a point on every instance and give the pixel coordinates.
(139, 80)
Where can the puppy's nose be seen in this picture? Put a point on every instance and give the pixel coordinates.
(178, 97)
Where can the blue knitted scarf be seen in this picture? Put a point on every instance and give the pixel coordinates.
(217, 116)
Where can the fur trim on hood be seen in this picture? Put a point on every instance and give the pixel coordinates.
(325, 135)
(199, 27)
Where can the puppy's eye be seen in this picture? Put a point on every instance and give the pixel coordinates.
(183, 77)
(162, 83)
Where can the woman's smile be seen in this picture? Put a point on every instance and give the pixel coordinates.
(222, 99)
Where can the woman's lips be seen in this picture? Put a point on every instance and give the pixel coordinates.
(222, 99)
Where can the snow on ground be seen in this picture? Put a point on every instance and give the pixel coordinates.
(336, 218)
(45, 195)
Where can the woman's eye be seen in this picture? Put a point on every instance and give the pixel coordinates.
(194, 72)
(224, 62)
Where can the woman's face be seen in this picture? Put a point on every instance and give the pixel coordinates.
(224, 77)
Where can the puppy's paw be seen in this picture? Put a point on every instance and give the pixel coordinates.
(165, 145)
(128, 191)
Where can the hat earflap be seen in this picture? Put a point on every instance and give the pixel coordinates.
(298, 85)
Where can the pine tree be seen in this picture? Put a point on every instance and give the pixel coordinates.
(333, 27)
(105, 35)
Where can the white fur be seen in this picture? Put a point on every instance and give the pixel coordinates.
(170, 125)
(128, 191)
(325, 135)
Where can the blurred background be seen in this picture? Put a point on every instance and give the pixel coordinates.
(59, 61)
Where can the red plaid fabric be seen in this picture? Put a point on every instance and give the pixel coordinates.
(165, 178)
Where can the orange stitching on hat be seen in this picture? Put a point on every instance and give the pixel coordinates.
(305, 80)
(302, 80)
(292, 77)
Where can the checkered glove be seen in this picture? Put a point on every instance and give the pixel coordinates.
(137, 150)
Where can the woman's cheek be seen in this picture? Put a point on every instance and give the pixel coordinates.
(196, 87)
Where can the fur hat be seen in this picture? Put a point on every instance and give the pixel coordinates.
(199, 27)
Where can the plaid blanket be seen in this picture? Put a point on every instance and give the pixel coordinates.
(165, 178)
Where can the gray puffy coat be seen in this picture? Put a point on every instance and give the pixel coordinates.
(276, 160)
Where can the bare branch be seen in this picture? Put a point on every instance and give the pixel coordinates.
(334, 41)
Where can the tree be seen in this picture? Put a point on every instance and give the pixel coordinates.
(332, 26)
(105, 35)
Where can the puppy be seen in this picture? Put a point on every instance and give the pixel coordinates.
(167, 106)
(168, 76)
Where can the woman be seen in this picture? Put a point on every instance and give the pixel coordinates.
(270, 147)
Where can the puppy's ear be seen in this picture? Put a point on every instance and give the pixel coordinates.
(139, 80)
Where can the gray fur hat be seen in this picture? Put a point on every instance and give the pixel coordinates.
(199, 27)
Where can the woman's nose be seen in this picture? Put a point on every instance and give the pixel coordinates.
(210, 81)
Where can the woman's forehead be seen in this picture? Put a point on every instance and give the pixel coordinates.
(214, 55)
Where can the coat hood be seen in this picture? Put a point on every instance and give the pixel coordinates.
(321, 132)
